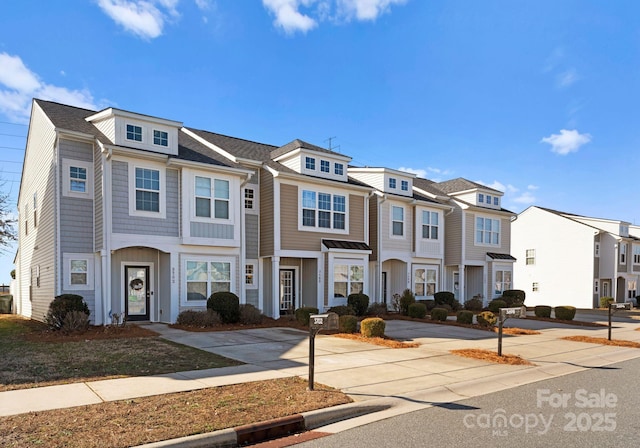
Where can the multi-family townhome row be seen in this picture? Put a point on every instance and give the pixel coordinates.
(569, 259)
(145, 217)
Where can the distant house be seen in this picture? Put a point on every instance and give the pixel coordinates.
(569, 259)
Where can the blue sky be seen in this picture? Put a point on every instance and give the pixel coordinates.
(536, 98)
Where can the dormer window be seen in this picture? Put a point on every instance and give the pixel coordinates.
(489, 199)
(339, 169)
(404, 185)
(324, 166)
(480, 197)
(134, 133)
(392, 183)
(160, 138)
(496, 201)
(310, 163)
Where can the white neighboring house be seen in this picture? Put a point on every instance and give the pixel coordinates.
(568, 259)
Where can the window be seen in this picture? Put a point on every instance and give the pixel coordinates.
(597, 250)
(249, 275)
(480, 197)
(78, 179)
(147, 190)
(78, 272)
(424, 281)
(503, 281)
(339, 169)
(623, 253)
(487, 231)
(489, 199)
(323, 210)
(430, 225)
(310, 163)
(206, 277)
(160, 138)
(248, 198)
(496, 201)
(26, 219)
(324, 166)
(636, 254)
(404, 185)
(204, 194)
(596, 286)
(535, 287)
(531, 256)
(347, 279)
(397, 221)
(134, 133)
(392, 183)
(35, 210)
(631, 292)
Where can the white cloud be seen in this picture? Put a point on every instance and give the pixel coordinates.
(532, 187)
(418, 172)
(288, 17)
(495, 185)
(567, 141)
(18, 85)
(525, 198)
(567, 78)
(143, 18)
(366, 9)
(202, 4)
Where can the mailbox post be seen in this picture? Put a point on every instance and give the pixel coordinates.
(317, 323)
(506, 313)
(613, 307)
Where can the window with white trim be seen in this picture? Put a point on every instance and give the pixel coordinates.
(597, 250)
(204, 277)
(35, 209)
(596, 286)
(248, 198)
(425, 281)
(26, 219)
(487, 231)
(502, 281)
(310, 163)
(134, 133)
(250, 275)
(535, 287)
(489, 199)
(147, 190)
(338, 169)
(636, 254)
(392, 183)
(77, 178)
(347, 279)
(430, 225)
(78, 271)
(404, 185)
(623, 253)
(496, 201)
(211, 198)
(530, 256)
(325, 166)
(632, 287)
(480, 197)
(323, 210)
(160, 138)
(397, 221)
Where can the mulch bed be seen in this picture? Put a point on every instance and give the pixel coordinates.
(488, 355)
(603, 341)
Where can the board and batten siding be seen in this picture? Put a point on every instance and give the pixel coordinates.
(127, 224)
(267, 213)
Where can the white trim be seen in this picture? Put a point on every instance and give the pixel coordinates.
(404, 222)
(67, 258)
(256, 279)
(316, 228)
(132, 166)
(426, 267)
(213, 258)
(67, 164)
(349, 260)
(150, 281)
(475, 230)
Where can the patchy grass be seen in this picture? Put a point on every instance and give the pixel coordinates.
(33, 357)
(151, 419)
(576, 323)
(489, 356)
(384, 342)
(603, 341)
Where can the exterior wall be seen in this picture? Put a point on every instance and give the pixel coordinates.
(251, 236)
(391, 244)
(453, 237)
(267, 212)
(98, 198)
(477, 252)
(373, 228)
(428, 247)
(308, 282)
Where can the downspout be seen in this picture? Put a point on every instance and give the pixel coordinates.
(57, 263)
(379, 242)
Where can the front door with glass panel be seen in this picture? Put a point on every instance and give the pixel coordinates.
(137, 292)
(287, 291)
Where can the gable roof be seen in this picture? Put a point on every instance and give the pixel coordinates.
(462, 184)
(301, 144)
(428, 185)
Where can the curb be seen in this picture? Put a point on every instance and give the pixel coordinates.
(270, 429)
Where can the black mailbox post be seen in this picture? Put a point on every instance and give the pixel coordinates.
(613, 307)
(317, 323)
(506, 313)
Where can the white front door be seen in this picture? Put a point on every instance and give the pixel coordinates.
(287, 291)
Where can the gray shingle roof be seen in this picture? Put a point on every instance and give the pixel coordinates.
(461, 184)
(243, 149)
(428, 185)
(299, 144)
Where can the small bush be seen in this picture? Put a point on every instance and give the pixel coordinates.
(496, 304)
(565, 312)
(60, 306)
(406, 299)
(377, 309)
(444, 298)
(456, 305)
(605, 301)
(439, 314)
(302, 314)
(430, 304)
(359, 302)
(417, 310)
(372, 327)
(465, 317)
(513, 297)
(474, 304)
(250, 315)
(486, 319)
(202, 319)
(445, 306)
(226, 304)
(75, 321)
(348, 324)
(342, 310)
(542, 311)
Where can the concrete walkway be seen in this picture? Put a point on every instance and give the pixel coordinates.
(417, 376)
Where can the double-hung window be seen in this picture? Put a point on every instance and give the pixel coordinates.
(339, 169)
(487, 231)
(324, 166)
(310, 163)
(404, 185)
(249, 196)
(347, 279)
(480, 197)
(134, 133)
(397, 221)
(392, 183)
(496, 200)
(636, 254)
(203, 278)
(623, 253)
(147, 190)
(530, 256)
(78, 272)
(503, 281)
(77, 179)
(160, 138)
(430, 225)
(212, 190)
(323, 210)
(424, 281)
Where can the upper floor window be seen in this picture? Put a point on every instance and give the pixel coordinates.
(310, 163)
(531, 256)
(324, 166)
(147, 190)
(430, 225)
(636, 254)
(160, 138)
(404, 185)
(480, 197)
(392, 183)
(487, 231)
(35, 209)
(597, 250)
(77, 179)
(397, 221)
(205, 194)
(134, 132)
(623, 253)
(489, 199)
(323, 210)
(496, 200)
(248, 198)
(339, 169)
(624, 230)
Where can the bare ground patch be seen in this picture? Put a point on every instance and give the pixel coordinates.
(384, 342)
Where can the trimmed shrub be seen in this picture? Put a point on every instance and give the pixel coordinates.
(226, 304)
(474, 304)
(439, 314)
(486, 319)
(513, 297)
(342, 310)
(348, 324)
(456, 305)
(302, 314)
(250, 315)
(60, 306)
(430, 304)
(444, 298)
(605, 301)
(542, 311)
(417, 310)
(193, 318)
(465, 317)
(445, 306)
(75, 321)
(565, 312)
(372, 327)
(377, 309)
(406, 299)
(359, 302)
(496, 304)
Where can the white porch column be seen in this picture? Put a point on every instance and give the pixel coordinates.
(174, 268)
